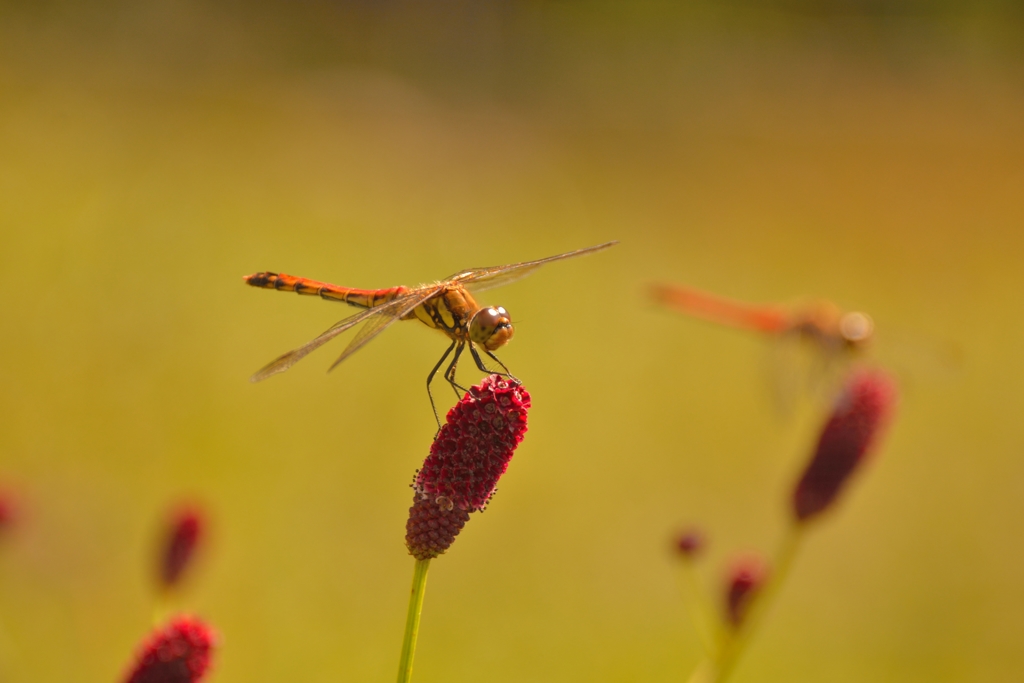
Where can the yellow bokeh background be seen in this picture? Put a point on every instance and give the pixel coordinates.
(153, 153)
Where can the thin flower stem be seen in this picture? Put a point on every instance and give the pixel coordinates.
(700, 610)
(412, 622)
(762, 600)
(704, 673)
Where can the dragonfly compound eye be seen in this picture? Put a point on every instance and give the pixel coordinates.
(491, 328)
(856, 327)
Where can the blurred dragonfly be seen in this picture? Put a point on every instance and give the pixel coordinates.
(446, 305)
(834, 337)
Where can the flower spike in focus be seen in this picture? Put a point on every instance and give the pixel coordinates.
(177, 653)
(468, 456)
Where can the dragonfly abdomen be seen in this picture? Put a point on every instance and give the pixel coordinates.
(363, 298)
(720, 309)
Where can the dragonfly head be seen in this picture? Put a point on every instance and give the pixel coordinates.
(491, 328)
(856, 328)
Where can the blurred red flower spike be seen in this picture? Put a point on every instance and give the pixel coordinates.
(745, 578)
(468, 456)
(177, 653)
(186, 528)
(8, 511)
(862, 412)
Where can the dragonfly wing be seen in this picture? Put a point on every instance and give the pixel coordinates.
(294, 356)
(787, 369)
(376, 324)
(832, 364)
(803, 369)
(479, 279)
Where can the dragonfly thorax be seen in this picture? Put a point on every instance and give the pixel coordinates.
(491, 328)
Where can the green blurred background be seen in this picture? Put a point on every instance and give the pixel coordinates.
(152, 153)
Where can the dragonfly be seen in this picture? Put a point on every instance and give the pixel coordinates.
(835, 336)
(446, 305)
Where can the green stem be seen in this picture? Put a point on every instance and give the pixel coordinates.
(701, 613)
(412, 622)
(704, 673)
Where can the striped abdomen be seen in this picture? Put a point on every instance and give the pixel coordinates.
(364, 298)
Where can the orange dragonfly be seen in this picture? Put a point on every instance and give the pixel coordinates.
(446, 305)
(835, 335)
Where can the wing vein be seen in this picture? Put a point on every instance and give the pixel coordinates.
(384, 311)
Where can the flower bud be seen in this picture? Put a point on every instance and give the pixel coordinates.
(859, 417)
(745, 578)
(177, 653)
(467, 458)
(690, 543)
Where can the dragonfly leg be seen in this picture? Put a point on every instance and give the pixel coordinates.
(508, 373)
(449, 374)
(484, 368)
(430, 378)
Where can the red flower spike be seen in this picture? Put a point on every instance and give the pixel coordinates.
(861, 414)
(177, 653)
(744, 580)
(475, 444)
(185, 531)
(467, 458)
(690, 543)
(432, 527)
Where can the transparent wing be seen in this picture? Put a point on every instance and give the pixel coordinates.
(832, 365)
(380, 322)
(786, 367)
(802, 369)
(479, 279)
(389, 312)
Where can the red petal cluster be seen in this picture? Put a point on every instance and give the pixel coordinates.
(467, 458)
(184, 532)
(178, 653)
(863, 410)
(475, 444)
(745, 578)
